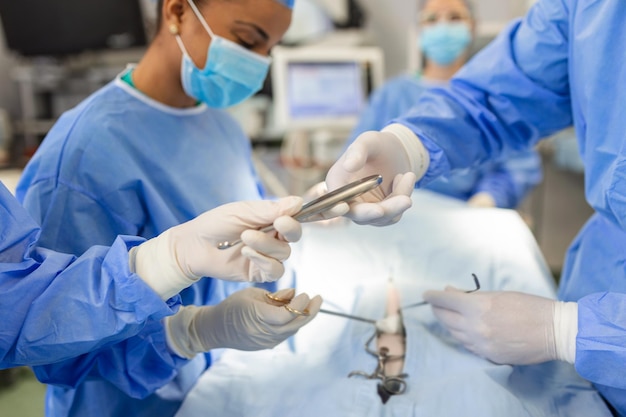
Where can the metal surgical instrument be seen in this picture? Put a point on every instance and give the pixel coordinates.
(348, 316)
(323, 203)
(389, 385)
(421, 303)
(285, 303)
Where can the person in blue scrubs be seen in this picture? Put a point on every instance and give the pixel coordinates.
(150, 150)
(52, 293)
(559, 65)
(446, 32)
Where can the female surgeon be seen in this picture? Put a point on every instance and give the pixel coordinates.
(446, 31)
(562, 63)
(150, 150)
(46, 295)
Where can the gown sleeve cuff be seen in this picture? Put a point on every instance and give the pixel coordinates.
(419, 158)
(566, 330)
(130, 288)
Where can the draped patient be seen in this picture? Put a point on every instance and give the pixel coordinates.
(439, 242)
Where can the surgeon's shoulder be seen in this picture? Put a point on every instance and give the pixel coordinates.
(89, 132)
(90, 112)
(400, 86)
(225, 122)
(57, 141)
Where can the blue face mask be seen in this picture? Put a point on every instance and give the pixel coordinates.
(231, 73)
(445, 42)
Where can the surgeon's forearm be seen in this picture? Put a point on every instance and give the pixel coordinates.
(601, 338)
(499, 185)
(137, 366)
(55, 294)
(504, 98)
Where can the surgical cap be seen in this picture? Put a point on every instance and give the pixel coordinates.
(288, 3)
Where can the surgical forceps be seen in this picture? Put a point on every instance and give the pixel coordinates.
(389, 385)
(421, 303)
(323, 203)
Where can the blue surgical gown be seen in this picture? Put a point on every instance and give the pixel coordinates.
(507, 181)
(563, 63)
(121, 163)
(48, 297)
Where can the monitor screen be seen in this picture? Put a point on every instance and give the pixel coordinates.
(322, 89)
(66, 27)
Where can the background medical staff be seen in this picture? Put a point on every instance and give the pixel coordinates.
(49, 306)
(560, 64)
(152, 149)
(446, 34)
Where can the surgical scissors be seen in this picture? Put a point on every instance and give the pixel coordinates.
(283, 302)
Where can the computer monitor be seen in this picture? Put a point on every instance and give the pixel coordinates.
(317, 87)
(66, 27)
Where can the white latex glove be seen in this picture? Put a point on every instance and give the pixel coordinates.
(246, 321)
(396, 154)
(185, 253)
(482, 200)
(329, 217)
(508, 327)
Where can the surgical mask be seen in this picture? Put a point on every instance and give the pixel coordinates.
(231, 73)
(445, 42)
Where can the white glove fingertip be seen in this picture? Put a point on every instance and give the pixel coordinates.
(363, 213)
(300, 302)
(396, 204)
(404, 184)
(288, 206)
(482, 200)
(312, 308)
(289, 228)
(267, 269)
(314, 305)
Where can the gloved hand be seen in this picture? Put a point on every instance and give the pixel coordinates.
(185, 253)
(508, 327)
(247, 320)
(329, 217)
(482, 200)
(387, 154)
